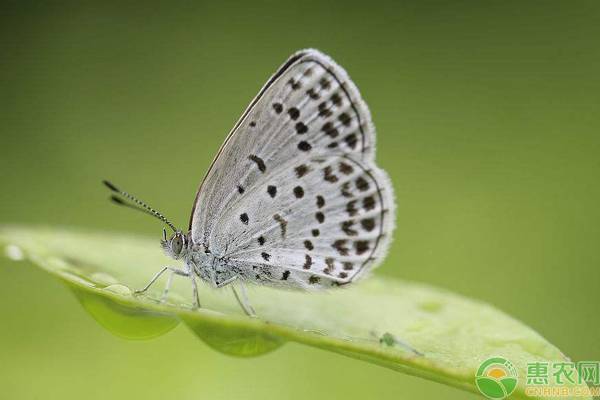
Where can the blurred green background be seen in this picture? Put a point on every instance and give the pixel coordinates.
(488, 123)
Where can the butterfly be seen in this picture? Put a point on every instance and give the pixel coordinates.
(293, 198)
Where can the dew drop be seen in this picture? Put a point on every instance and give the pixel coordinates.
(119, 289)
(104, 279)
(14, 252)
(120, 314)
(239, 340)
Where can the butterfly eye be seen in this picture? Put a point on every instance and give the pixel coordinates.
(177, 244)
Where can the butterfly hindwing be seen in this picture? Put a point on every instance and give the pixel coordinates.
(294, 192)
(317, 222)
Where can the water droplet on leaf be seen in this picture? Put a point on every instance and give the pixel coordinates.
(14, 252)
(118, 289)
(230, 338)
(102, 278)
(123, 317)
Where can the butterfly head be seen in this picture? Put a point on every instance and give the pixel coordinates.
(175, 246)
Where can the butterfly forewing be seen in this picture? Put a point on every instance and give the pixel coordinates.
(294, 194)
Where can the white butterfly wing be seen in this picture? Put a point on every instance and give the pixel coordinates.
(294, 194)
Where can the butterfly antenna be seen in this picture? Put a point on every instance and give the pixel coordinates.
(139, 205)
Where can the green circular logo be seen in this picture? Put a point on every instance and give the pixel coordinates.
(496, 378)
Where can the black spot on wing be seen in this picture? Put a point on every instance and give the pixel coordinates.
(320, 201)
(320, 217)
(345, 168)
(294, 84)
(345, 119)
(304, 146)
(336, 99)
(328, 175)
(282, 224)
(347, 227)
(340, 246)
(362, 184)
(351, 141)
(313, 94)
(368, 203)
(351, 208)
(329, 261)
(330, 130)
(301, 170)
(259, 162)
(368, 224)
(324, 111)
(294, 113)
(361, 246)
(307, 262)
(301, 128)
(298, 192)
(346, 191)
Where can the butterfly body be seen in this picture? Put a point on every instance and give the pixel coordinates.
(219, 270)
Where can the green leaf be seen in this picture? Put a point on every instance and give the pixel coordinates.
(379, 320)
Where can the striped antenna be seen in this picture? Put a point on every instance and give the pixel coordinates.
(139, 205)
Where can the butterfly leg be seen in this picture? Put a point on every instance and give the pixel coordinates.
(165, 293)
(195, 291)
(243, 300)
(154, 278)
(172, 271)
(158, 275)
